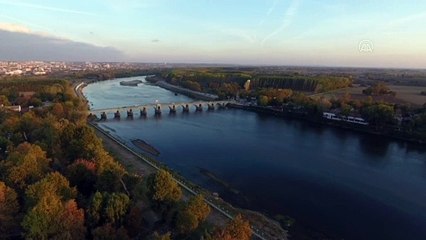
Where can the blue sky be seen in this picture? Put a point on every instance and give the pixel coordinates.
(282, 32)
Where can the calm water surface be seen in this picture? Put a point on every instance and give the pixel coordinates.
(345, 184)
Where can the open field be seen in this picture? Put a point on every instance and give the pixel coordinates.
(410, 94)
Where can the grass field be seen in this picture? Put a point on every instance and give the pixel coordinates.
(410, 94)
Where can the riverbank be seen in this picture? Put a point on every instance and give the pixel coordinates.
(190, 93)
(343, 125)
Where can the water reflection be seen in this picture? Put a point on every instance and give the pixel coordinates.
(373, 145)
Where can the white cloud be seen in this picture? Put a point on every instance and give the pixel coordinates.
(11, 27)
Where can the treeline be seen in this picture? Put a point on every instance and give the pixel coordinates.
(378, 89)
(403, 120)
(58, 182)
(229, 82)
(111, 74)
(301, 83)
(218, 81)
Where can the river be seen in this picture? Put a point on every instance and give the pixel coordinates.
(344, 184)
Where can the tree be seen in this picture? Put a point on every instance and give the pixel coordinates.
(238, 228)
(110, 208)
(263, 100)
(4, 100)
(116, 207)
(157, 236)
(198, 207)
(379, 114)
(50, 218)
(109, 232)
(25, 165)
(186, 222)
(135, 221)
(82, 174)
(164, 188)
(72, 220)
(95, 208)
(53, 183)
(9, 207)
(379, 88)
(194, 213)
(80, 142)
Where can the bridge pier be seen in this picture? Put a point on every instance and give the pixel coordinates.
(198, 108)
(221, 105)
(157, 111)
(117, 115)
(185, 109)
(103, 116)
(172, 109)
(143, 112)
(130, 114)
(210, 107)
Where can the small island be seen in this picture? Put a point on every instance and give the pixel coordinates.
(132, 83)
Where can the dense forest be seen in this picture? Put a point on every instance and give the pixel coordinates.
(58, 182)
(228, 82)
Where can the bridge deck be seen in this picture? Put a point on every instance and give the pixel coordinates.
(149, 106)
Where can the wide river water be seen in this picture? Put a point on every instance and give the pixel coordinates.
(345, 184)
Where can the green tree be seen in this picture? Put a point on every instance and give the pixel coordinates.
(379, 114)
(116, 207)
(80, 142)
(186, 222)
(95, 209)
(109, 232)
(4, 100)
(198, 207)
(157, 236)
(193, 213)
(238, 228)
(25, 165)
(106, 207)
(52, 219)
(53, 183)
(164, 188)
(9, 207)
(263, 100)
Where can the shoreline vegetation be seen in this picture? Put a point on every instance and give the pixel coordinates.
(176, 89)
(338, 124)
(316, 117)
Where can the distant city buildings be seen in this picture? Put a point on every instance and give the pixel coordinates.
(37, 68)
